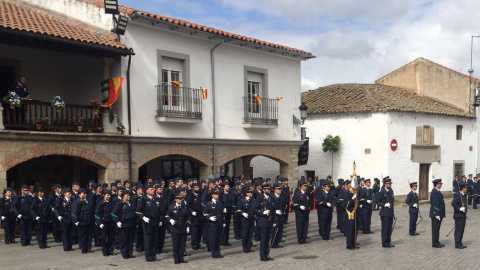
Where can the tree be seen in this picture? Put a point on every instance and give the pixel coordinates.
(331, 144)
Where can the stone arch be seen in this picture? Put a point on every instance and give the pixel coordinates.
(173, 150)
(54, 149)
(280, 157)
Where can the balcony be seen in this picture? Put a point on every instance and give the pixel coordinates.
(24, 118)
(178, 104)
(264, 115)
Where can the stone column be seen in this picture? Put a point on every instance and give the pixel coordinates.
(205, 172)
(1, 118)
(106, 71)
(3, 179)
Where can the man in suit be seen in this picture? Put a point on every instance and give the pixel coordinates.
(7, 216)
(245, 210)
(195, 206)
(148, 210)
(386, 202)
(56, 228)
(104, 220)
(412, 202)
(63, 213)
(470, 188)
(366, 201)
(21, 209)
(178, 216)
(437, 212)
(459, 204)
(213, 212)
(300, 202)
(123, 215)
(265, 211)
(41, 213)
(324, 204)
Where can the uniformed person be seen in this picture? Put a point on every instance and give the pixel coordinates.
(104, 221)
(470, 189)
(42, 214)
(178, 215)
(338, 198)
(476, 191)
(437, 212)
(265, 211)
(7, 216)
(124, 216)
(459, 204)
(237, 219)
(162, 230)
(455, 185)
(376, 190)
(82, 217)
(21, 209)
(213, 212)
(287, 195)
(350, 206)
(63, 212)
(56, 228)
(386, 202)
(245, 210)
(302, 212)
(148, 210)
(136, 199)
(228, 196)
(196, 222)
(279, 203)
(324, 204)
(367, 206)
(412, 202)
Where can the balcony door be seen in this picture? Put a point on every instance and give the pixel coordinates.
(172, 94)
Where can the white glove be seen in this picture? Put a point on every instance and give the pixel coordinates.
(160, 224)
(59, 218)
(437, 217)
(76, 223)
(266, 212)
(146, 219)
(37, 218)
(329, 204)
(188, 229)
(224, 210)
(462, 209)
(361, 206)
(224, 225)
(369, 201)
(3, 218)
(245, 215)
(415, 205)
(274, 225)
(19, 216)
(213, 218)
(194, 213)
(172, 222)
(278, 212)
(302, 207)
(102, 226)
(387, 205)
(354, 196)
(119, 224)
(254, 224)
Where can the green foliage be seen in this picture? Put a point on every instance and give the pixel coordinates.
(331, 144)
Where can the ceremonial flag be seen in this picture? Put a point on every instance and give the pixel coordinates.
(257, 98)
(279, 98)
(176, 83)
(114, 85)
(204, 93)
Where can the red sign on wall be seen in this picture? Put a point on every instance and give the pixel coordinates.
(393, 145)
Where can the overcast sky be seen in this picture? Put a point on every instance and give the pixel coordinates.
(355, 41)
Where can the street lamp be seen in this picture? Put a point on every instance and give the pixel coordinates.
(111, 7)
(303, 112)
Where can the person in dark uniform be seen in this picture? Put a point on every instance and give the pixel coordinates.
(412, 202)
(21, 209)
(56, 228)
(124, 216)
(237, 220)
(148, 210)
(228, 196)
(213, 212)
(386, 202)
(162, 231)
(82, 217)
(455, 185)
(63, 212)
(195, 206)
(287, 195)
(376, 190)
(324, 203)
(367, 206)
(470, 189)
(279, 203)
(265, 211)
(476, 190)
(7, 216)
(338, 196)
(437, 212)
(104, 221)
(245, 210)
(136, 200)
(459, 204)
(331, 184)
(42, 214)
(302, 212)
(350, 206)
(178, 215)
(360, 190)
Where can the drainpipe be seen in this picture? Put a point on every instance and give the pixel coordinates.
(129, 115)
(212, 64)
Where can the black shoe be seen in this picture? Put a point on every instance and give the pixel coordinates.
(282, 241)
(264, 259)
(227, 244)
(246, 251)
(251, 250)
(437, 246)
(84, 252)
(112, 254)
(351, 248)
(162, 251)
(186, 254)
(42, 247)
(151, 260)
(131, 256)
(218, 257)
(90, 251)
(106, 255)
(277, 246)
(200, 247)
(177, 262)
(387, 246)
(183, 261)
(13, 242)
(270, 259)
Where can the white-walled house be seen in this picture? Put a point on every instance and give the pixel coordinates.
(433, 139)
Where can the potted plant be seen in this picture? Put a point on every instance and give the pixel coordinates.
(78, 121)
(40, 122)
(96, 106)
(13, 100)
(58, 103)
(120, 128)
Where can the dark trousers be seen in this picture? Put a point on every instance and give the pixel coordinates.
(178, 245)
(97, 236)
(67, 239)
(25, 230)
(277, 232)
(341, 219)
(205, 234)
(412, 228)
(286, 214)
(256, 233)
(150, 236)
(108, 238)
(85, 233)
(459, 229)
(475, 201)
(265, 234)
(324, 224)
(302, 227)
(9, 226)
(387, 223)
(237, 226)
(226, 229)
(214, 235)
(56, 231)
(350, 233)
(162, 231)
(470, 198)
(42, 231)
(366, 219)
(360, 218)
(247, 234)
(127, 236)
(196, 235)
(436, 231)
(139, 237)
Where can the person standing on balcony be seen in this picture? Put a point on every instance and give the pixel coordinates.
(20, 88)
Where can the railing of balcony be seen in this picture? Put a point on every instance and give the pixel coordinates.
(182, 102)
(265, 113)
(25, 117)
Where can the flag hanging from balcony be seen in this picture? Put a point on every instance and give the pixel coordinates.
(114, 85)
(176, 83)
(257, 98)
(204, 93)
(279, 98)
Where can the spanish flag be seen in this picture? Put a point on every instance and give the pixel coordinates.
(279, 98)
(114, 85)
(204, 93)
(176, 83)
(257, 98)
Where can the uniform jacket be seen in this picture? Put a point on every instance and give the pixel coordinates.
(437, 204)
(384, 197)
(212, 209)
(195, 205)
(103, 212)
(261, 205)
(180, 216)
(21, 205)
(82, 212)
(6, 207)
(412, 198)
(63, 208)
(366, 195)
(246, 206)
(459, 201)
(149, 207)
(279, 204)
(322, 198)
(41, 208)
(301, 199)
(124, 212)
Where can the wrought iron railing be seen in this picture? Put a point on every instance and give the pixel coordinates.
(264, 113)
(182, 102)
(25, 117)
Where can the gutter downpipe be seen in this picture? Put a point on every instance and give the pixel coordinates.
(212, 65)
(129, 115)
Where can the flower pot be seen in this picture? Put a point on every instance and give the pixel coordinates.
(79, 128)
(58, 110)
(39, 126)
(12, 107)
(96, 112)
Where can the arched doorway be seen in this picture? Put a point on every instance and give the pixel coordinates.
(55, 169)
(264, 167)
(255, 165)
(170, 166)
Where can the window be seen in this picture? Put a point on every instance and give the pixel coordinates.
(459, 132)
(254, 86)
(458, 169)
(171, 92)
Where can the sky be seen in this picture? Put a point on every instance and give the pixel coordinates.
(353, 41)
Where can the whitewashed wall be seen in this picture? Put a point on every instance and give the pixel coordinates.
(265, 167)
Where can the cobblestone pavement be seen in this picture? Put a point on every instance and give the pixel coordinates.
(409, 253)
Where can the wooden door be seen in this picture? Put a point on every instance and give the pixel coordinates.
(423, 181)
